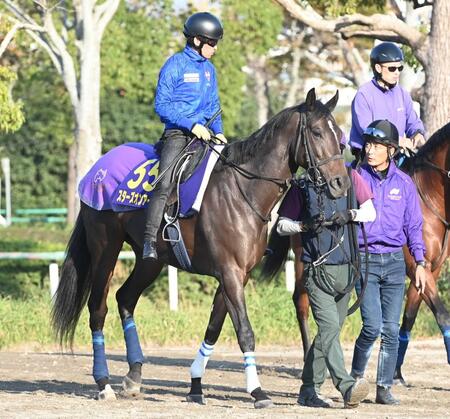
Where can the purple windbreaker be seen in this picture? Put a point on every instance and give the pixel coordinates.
(372, 102)
(399, 216)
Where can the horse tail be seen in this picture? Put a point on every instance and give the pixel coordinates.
(74, 286)
(277, 250)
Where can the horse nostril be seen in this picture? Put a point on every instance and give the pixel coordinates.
(339, 185)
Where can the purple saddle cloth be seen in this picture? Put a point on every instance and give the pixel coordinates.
(121, 180)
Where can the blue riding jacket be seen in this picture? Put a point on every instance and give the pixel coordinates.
(187, 92)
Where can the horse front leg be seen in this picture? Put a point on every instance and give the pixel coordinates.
(143, 274)
(233, 294)
(216, 320)
(413, 301)
(439, 310)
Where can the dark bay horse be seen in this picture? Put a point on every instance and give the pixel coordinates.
(430, 171)
(225, 240)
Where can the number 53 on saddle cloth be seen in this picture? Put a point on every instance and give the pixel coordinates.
(121, 180)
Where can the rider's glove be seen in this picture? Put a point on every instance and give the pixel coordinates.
(342, 217)
(222, 138)
(201, 132)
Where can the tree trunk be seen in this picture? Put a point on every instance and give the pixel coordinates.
(437, 73)
(261, 94)
(88, 138)
(294, 87)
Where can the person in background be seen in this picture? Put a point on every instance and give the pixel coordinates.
(383, 98)
(398, 222)
(186, 99)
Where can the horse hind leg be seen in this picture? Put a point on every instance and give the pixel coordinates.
(143, 274)
(300, 296)
(104, 263)
(301, 303)
(442, 316)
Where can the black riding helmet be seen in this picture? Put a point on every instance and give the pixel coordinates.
(386, 52)
(382, 131)
(203, 24)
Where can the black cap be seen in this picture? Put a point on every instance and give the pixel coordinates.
(382, 131)
(386, 52)
(203, 24)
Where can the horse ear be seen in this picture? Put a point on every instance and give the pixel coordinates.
(311, 99)
(331, 104)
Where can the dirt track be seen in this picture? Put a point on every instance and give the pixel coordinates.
(52, 385)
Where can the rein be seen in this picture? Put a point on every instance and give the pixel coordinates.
(428, 163)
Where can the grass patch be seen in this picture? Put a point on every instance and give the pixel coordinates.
(269, 306)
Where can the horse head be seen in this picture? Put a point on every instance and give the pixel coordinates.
(318, 147)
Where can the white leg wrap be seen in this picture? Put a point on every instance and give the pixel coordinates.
(250, 371)
(200, 361)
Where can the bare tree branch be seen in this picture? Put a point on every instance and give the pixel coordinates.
(12, 32)
(354, 62)
(381, 35)
(382, 25)
(58, 44)
(375, 23)
(396, 9)
(104, 13)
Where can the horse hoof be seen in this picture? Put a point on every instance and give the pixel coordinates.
(107, 393)
(264, 404)
(130, 387)
(196, 398)
(399, 381)
(398, 378)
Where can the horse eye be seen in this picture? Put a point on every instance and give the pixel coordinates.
(316, 133)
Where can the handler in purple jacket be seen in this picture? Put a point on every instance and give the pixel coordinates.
(383, 98)
(398, 222)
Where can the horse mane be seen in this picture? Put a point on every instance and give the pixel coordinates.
(240, 152)
(436, 140)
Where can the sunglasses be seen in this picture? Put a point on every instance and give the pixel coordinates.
(393, 68)
(210, 42)
(374, 132)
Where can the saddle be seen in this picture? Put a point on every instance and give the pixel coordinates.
(185, 167)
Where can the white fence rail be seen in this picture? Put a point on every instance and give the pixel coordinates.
(172, 271)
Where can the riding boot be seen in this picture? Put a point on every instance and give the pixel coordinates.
(384, 396)
(172, 143)
(149, 251)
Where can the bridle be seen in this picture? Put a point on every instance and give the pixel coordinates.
(312, 171)
(426, 163)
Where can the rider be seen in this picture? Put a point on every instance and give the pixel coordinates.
(186, 98)
(328, 283)
(398, 222)
(383, 98)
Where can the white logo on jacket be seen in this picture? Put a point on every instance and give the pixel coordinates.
(191, 77)
(394, 194)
